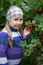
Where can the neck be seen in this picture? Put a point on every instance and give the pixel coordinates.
(11, 25)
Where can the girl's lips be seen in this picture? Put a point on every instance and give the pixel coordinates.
(17, 26)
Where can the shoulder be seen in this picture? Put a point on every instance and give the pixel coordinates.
(3, 37)
(3, 33)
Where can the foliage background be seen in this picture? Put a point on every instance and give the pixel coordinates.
(33, 14)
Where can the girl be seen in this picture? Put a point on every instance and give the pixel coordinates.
(10, 50)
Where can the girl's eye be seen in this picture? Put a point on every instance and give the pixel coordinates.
(15, 19)
(21, 19)
(18, 19)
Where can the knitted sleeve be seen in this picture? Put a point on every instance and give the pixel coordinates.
(3, 48)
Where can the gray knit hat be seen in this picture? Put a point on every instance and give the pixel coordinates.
(14, 12)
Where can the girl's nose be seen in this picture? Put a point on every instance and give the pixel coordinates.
(19, 22)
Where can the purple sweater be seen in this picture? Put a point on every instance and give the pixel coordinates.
(8, 55)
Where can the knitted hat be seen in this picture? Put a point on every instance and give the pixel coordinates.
(14, 12)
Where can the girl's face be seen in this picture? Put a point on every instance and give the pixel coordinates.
(16, 23)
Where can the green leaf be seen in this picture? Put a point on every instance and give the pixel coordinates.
(23, 43)
(12, 2)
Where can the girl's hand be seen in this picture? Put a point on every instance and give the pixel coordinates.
(26, 31)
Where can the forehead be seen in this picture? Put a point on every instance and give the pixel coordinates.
(18, 17)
